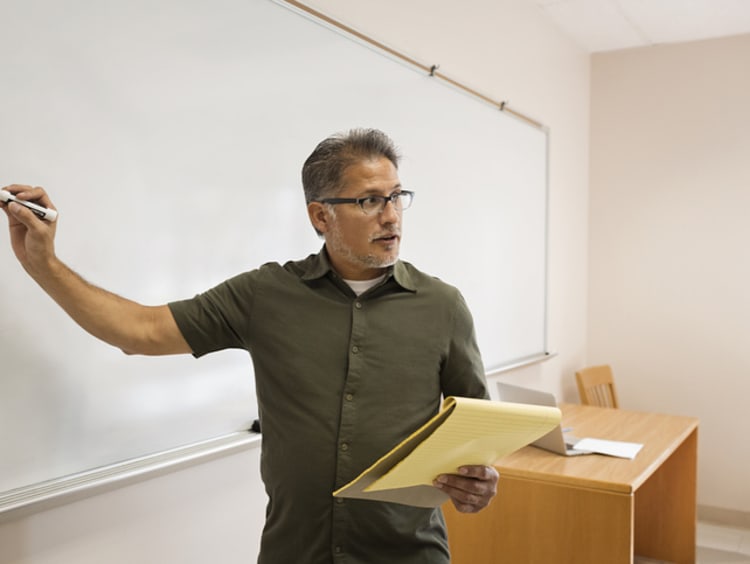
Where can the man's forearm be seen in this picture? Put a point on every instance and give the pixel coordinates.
(134, 328)
(123, 323)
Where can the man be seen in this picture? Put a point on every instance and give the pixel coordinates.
(352, 350)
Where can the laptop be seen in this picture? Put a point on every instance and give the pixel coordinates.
(554, 441)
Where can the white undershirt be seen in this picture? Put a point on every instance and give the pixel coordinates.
(361, 286)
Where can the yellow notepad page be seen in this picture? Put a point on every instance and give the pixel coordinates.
(466, 431)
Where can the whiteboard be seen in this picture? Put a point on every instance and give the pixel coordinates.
(171, 136)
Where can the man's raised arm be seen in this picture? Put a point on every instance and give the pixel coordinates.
(130, 326)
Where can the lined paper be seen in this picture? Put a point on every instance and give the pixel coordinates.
(466, 431)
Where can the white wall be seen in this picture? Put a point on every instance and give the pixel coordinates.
(504, 49)
(210, 512)
(669, 260)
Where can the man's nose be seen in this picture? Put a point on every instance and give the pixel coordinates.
(390, 212)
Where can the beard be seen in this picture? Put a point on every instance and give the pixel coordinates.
(366, 260)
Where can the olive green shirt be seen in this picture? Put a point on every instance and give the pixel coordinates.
(340, 380)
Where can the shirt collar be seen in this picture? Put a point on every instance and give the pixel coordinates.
(320, 265)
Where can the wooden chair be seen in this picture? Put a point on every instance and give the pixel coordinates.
(596, 386)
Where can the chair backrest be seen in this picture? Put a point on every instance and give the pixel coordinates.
(596, 386)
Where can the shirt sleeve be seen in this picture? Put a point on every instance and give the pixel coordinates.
(462, 373)
(214, 320)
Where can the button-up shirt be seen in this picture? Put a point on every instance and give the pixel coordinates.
(340, 380)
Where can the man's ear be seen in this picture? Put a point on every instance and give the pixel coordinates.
(319, 216)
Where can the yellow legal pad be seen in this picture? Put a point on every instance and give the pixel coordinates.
(466, 431)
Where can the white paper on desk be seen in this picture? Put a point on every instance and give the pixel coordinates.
(619, 449)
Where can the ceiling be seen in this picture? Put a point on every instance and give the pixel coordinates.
(608, 25)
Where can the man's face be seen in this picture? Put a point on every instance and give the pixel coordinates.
(360, 246)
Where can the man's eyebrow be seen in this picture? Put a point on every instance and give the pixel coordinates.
(376, 192)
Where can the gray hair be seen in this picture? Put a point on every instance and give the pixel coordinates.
(323, 169)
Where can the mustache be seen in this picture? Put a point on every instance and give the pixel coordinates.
(395, 232)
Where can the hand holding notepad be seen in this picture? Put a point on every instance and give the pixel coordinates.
(466, 431)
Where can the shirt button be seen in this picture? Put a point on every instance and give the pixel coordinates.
(349, 397)
(355, 349)
(344, 446)
(358, 305)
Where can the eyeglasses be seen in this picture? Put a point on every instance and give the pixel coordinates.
(372, 205)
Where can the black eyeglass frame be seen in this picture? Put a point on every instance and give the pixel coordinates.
(393, 198)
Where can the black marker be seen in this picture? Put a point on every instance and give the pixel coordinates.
(39, 211)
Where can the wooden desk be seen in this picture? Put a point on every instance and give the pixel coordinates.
(591, 509)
